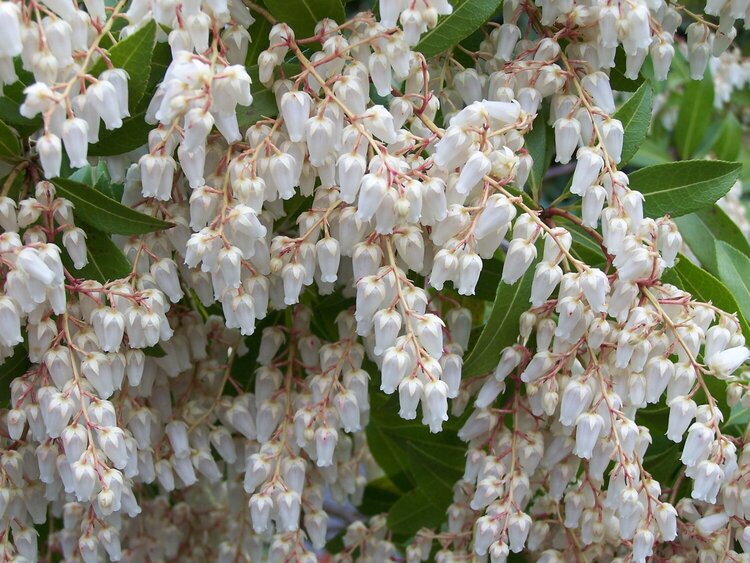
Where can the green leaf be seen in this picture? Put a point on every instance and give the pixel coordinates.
(734, 271)
(489, 279)
(105, 214)
(106, 261)
(702, 285)
(501, 328)
(303, 15)
(389, 456)
(537, 145)
(155, 351)
(466, 18)
(729, 139)
(133, 55)
(10, 146)
(132, 134)
(679, 188)
(11, 99)
(259, 41)
(416, 509)
(695, 114)
(617, 78)
(416, 462)
(379, 496)
(16, 365)
(650, 153)
(700, 229)
(161, 57)
(635, 116)
(264, 100)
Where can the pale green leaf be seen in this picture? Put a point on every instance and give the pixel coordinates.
(695, 115)
(702, 228)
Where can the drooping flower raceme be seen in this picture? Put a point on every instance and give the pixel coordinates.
(215, 270)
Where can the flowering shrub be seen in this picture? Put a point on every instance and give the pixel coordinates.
(429, 279)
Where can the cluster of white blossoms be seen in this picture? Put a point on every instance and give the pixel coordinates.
(389, 180)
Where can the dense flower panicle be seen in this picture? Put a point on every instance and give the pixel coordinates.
(203, 384)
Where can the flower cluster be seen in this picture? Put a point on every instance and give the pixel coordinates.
(202, 403)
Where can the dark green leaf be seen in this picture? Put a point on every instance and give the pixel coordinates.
(466, 18)
(734, 271)
(105, 214)
(662, 460)
(679, 188)
(489, 280)
(16, 365)
(303, 15)
(501, 328)
(10, 146)
(264, 100)
(635, 115)
(155, 351)
(133, 55)
(536, 144)
(695, 115)
(699, 283)
(379, 496)
(132, 134)
(729, 139)
(702, 228)
(260, 41)
(415, 510)
(12, 367)
(11, 99)
(389, 456)
(617, 77)
(106, 260)
(161, 57)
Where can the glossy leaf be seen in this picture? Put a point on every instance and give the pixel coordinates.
(260, 41)
(103, 213)
(12, 97)
(694, 118)
(536, 142)
(702, 228)
(10, 146)
(617, 78)
(415, 510)
(702, 285)
(734, 271)
(106, 261)
(635, 116)
(501, 329)
(467, 16)
(303, 15)
(729, 140)
(133, 55)
(132, 134)
(679, 188)
(264, 100)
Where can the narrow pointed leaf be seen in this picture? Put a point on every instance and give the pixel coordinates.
(105, 214)
(635, 116)
(467, 16)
